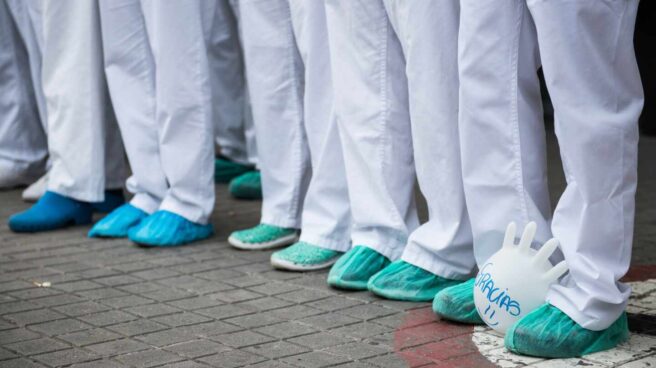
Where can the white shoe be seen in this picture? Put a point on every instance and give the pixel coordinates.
(36, 189)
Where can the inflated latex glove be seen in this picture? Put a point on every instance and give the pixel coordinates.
(515, 280)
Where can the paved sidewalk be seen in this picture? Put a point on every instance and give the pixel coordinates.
(66, 300)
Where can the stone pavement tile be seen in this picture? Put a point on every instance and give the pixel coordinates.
(648, 362)
(295, 312)
(137, 327)
(354, 365)
(34, 317)
(15, 285)
(328, 321)
(237, 295)
(107, 318)
(141, 287)
(304, 296)
(320, 340)
(18, 306)
(357, 350)
(60, 327)
(152, 310)
(28, 294)
(220, 275)
(133, 266)
(315, 359)
(89, 337)
(502, 357)
(277, 349)
(66, 357)
(16, 335)
(167, 337)
(197, 348)
(77, 286)
(271, 364)
(266, 303)
(274, 288)
(102, 293)
(210, 328)
(225, 311)
(118, 280)
(232, 359)
(568, 363)
(255, 320)
(242, 339)
(149, 358)
(6, 354)
(362, 330)
(447, 348)
(286, 330)
(99, 364)
(389, 361)
(4, 325)
(155, 274)
(126, 301)
(186, 364)
(367, 311)
(21, 363)
(117, 347)
(166, 295)
(335, 303)
(181, 319)
(57, 300)
(195, 303)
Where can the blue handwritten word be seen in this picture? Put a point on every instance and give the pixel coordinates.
(495, 295)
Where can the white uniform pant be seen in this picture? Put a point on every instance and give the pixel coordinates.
(586, 50)
(235, 133)
(84, 142)
(288, 69)
(23, 142)
(157, 63)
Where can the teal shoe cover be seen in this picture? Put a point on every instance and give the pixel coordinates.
(403, 281)
(304, 256)
(263, 236)
(166, 229)
(247, 186)
(118, 222)
(353, 270)
(547, 332)
(456, 303)
(226, 170)
(52, 211)
(113, 200)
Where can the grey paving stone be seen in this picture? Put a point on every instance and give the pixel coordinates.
(334, 303)
(255, 320)
(274, 288)
(16, 335)
(362, 330)
(89, 337)
(210, 328)
(295, 312)
(66, 357)
(286, 330)
(34, 317)
(328, 321)
(149, 358)
(277, 349)
(137, 327)
(165, 295)
(195, 303)
(99, 364)
(6, 354)
(34, 293)
(181, 319)
(141, 288)
(238, 295)
(232, 359)
(60, 327)
(321, 340)
(304, 295)
(38, 346)
(224, 311)
(152, 310)
(186, 364)
(81, 309)
(117, 347)
(126, 301)
(21, 363)
(78, 286)
(315, 359)
(367, 311)
(18, 306)
(111, 317)
(267, 303)
(242, 339)
(167, 337)
(154, 274)
(103, 293)
(357, 350)
(197, 348)
(57, 300)
(118, 280)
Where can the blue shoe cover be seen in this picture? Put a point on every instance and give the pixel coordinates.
(166, 229)
(52, 211)
(118, 222)
(113, 200)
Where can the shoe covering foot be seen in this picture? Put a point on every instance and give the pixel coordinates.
(53, 211)
(226, 169)
(456, 303)
(304, 256)
(246, 186)
(353, 270)
(403, 281)
(36, 190)
(113, 200)
(118, 222)
(166, 229)
(547, 332)
(262, 237)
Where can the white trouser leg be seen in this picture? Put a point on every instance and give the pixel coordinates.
(326, 214)
(23, 147)
(275, 77)
(130, 71)
(84, 142)
(229, 80)
(591, 73)
(179, 35)
(428, 31)
(502, 135)
(371, 104)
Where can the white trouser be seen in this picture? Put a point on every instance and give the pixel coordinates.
(288, 66)
(371, 104)
(157, 64)
(23, 143)
(84, 142)
(235, 133)
(586, 49)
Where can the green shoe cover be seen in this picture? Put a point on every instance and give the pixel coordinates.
(226, 170)
(304, 256)
(353, 270)
(456, 303)
(247, 186)
(403, 281)
(263, 236)
(547, 332)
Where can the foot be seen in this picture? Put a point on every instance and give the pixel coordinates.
(547, 332)
(404, 281)
(353, 270)
(247, 186)
(456, 303)
(167, 229)
(118, 222)
(262, 237)
(226, 169)
(303, 256)
(36, 190)
(113, 200)
(53, 211)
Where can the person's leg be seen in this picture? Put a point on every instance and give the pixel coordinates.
(371, 105)
(590, 70)
(275, 79)
(326, 218)
(23, 147)
(503, 148)
(440, 251)
(130, 71)
(179, 34)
